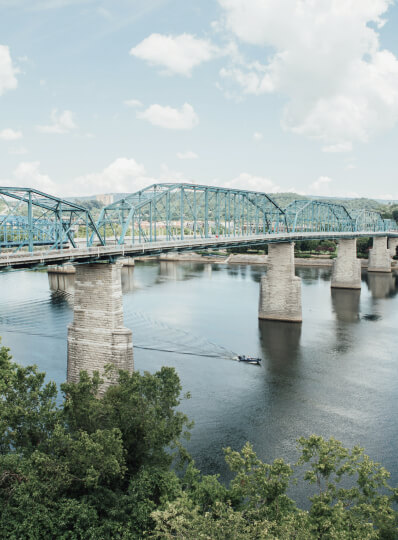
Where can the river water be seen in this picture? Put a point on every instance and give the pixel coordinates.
(334, 375)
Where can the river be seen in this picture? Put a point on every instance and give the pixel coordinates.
(336, 374)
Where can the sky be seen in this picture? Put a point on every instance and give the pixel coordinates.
(100, 96)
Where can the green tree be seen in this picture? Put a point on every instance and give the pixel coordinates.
(102, 468)
(363, 246)
(352, 501)
(91, 467)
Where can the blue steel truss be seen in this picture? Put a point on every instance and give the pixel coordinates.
(176, 211)
(390, 225)
(368, 220)
(318, 216)
(15, 229)
(32, 218)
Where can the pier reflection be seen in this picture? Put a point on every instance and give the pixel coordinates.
(345, 304)
(127, 274)
(280, 344)
(382, 285)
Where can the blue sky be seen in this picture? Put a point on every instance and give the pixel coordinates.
(273, 95)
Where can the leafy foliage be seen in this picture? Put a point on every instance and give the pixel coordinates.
(256, 504)
(100, 468)
(92, 467)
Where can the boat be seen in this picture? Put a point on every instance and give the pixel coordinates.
(249, 359)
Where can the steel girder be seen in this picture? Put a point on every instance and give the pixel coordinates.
(390, 225)
(312, 216)
(368, 220)
(317, 216)
(174, 211)
(32, 218)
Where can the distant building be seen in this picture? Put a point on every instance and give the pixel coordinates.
(105, 198)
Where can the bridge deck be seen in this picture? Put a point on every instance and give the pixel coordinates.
(21, 260)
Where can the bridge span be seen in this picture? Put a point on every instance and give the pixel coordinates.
(37, 229)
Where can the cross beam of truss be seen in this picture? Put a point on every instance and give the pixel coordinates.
(175, 211)
(30, 218)
(169, 212)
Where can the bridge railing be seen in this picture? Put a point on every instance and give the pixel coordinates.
(30, 218)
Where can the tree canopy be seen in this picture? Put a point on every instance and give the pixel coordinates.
(105, 467)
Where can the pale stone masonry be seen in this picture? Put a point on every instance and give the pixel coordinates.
(346, 272)
(392, 246)
(96, 336)
(280, 289)
(379, 255)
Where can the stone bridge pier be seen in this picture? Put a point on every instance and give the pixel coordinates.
(96, 336)
(379, 255)
(393, 246)
(280, 289)
(346, 267)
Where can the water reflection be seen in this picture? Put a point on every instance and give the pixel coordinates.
(127, 274)
(318, 377)
(382, 285)
(313, 273)
(257, 271)
(280, 343)
(345, 304)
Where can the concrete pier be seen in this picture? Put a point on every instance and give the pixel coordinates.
(393, 246)
(97, 336)
(280, 289)
(346, 272)
(127, 261)
(379, 255)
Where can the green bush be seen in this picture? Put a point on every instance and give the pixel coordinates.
(101, 468)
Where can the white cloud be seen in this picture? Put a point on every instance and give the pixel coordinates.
(251, 182)
(177, 54)
(167, 117)
(8, 80)
(62, 122)
(132, 102)
(321, 186)
(10, 134)
(338, 147)
(187, 155)
(27, 174)
(257, 136)
(122, 176)
(327, 60)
